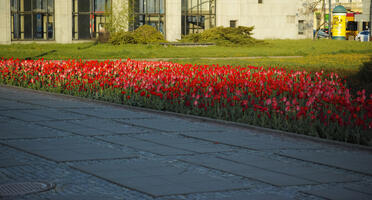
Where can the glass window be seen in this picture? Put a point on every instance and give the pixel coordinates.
(301, 27)
(89, 18)
(150, 12)
(32, 19)
(198, 15)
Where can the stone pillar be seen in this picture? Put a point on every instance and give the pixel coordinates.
(63, 21)
(5, 32)
(172, 20)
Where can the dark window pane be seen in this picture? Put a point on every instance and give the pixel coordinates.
(38, 26)
(50, 30)
(84, 5)
(39, 5)
(108, 5)
(83, 24)
(27, 27)
(14, 5)
(16, 32)
(27, 5)
(99, 5)
(50, 6)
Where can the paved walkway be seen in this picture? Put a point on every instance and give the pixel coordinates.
(98, 151)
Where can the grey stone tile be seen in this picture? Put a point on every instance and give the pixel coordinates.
(81, 197)
(144, 145)
(9, 162)
(24, 116)
(367, 189)
(15, 105)
(60, 103)
(69, 149)
(180, 142)
(249, 140)
(257, 197)
(108, 125)
(55, 114)
(339, 194)
(306, 172)
(270, 177)
(150, 181)
(18, 130)
(74, 128)
(112, 113)
(166, 190)
(354, 161)
(169, 124)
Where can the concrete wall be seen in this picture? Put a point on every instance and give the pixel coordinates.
(5, 29)
(272, 19)
(172, 20)
(63, 21)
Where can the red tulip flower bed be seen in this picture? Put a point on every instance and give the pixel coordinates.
(309, 103)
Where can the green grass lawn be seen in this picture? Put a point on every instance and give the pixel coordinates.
(350, 59)
(107, 51)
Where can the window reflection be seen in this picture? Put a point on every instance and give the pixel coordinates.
(198, 15)
(89, 18)
(32, 19)
(150, 12)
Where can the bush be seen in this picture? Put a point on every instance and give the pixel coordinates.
(122, 37)
(145, 34)
(223, 36)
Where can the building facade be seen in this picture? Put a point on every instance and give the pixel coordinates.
(67, 21)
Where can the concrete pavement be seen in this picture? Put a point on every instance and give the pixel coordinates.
(91, 150)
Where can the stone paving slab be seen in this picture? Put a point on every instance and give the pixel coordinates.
(270, 177)
(145, 145)
(354, 161)
(157, 179)
(60, 103)
(81, 197)
(251, 141)
(180, 142)
(21, 115)
(109, 126)
(6, 161)
(22, 130)
(14, 105)
(339, 194)
(169, 124)
(74, 128)
(111, 113)
(366, 189)
(308, 172)
(54, 114)
(68, 149)
(257, 197)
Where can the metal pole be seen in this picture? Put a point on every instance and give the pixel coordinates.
(329, 17)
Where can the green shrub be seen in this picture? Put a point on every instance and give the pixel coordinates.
(122, 37)
(223, 36)
(145, 34)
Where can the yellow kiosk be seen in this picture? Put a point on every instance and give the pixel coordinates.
(339, 23)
